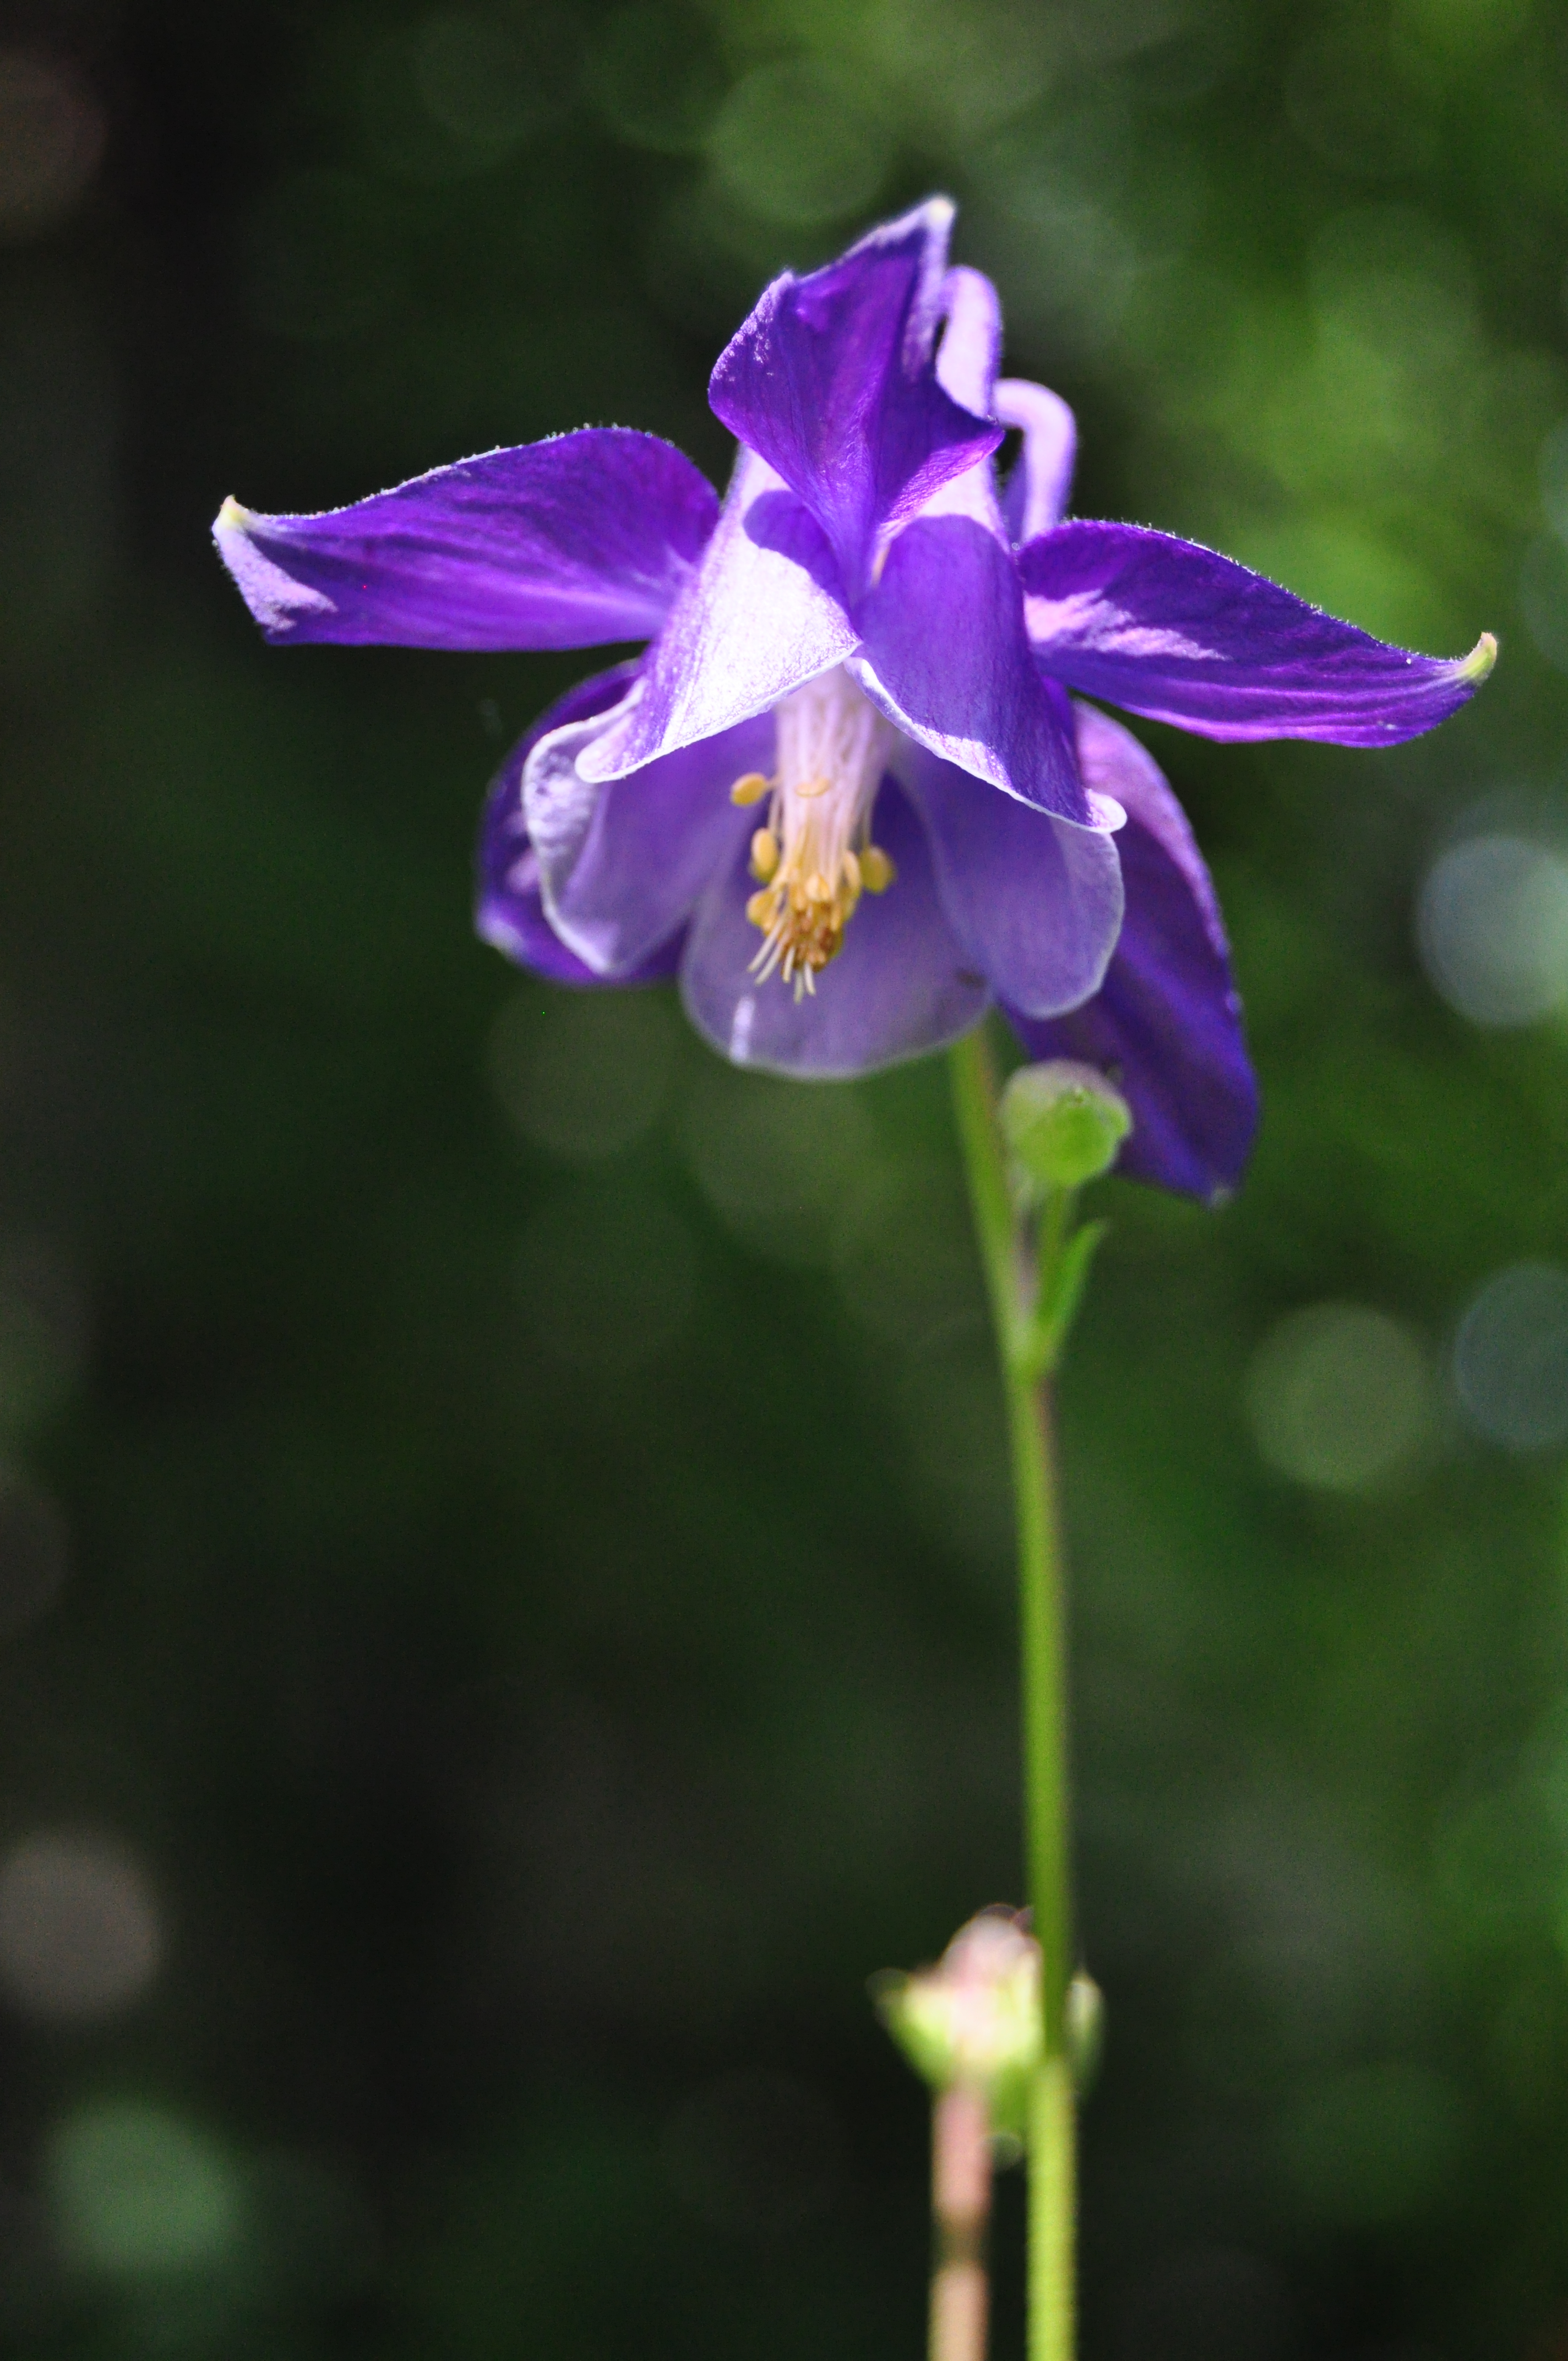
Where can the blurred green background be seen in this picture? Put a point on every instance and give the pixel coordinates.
(505, 1584)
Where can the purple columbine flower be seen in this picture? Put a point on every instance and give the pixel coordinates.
(843, 794)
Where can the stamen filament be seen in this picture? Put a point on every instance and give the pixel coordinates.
(814, 857)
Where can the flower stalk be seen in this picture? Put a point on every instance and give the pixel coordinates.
(970, 2027)
(1030, 1306)
(961, 2214)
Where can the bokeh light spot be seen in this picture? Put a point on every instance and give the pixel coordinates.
(1492, 924)
(583, 1073)
(490, 80)
(782, 1166)
(136, 2192)
(1510, 1357)
(51, 136)
(79, 1933)
(1554, 470)
(456, 95)
(655, 77)
(1543, 597)
(1346, 103)
(904, 1258)
(1339, 1396)
(607, 1277)
(792, 143)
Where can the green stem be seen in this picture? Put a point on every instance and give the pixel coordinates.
(1052, 2197)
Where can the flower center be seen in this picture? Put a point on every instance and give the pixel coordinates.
(813, 857)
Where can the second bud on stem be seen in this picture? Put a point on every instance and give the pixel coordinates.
(971, 2027)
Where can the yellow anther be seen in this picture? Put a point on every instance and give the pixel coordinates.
(877, 871)
(808, 858)
(749, 789)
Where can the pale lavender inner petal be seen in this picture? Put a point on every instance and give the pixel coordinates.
(509, 911)
(760, 615)
(622, 863)
(901, 985)
(1038, 488)
(1035, 901)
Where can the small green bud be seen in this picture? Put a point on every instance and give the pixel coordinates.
(974, 2018)
(1063, 1125)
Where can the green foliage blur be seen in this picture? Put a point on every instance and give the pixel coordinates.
(505, 1588)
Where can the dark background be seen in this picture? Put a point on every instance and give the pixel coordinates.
(505, 1588)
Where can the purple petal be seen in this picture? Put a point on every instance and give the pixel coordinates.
(752, 622)
(622, 863)
(900, 985)
(1166, 1025)
(967, 359)
(558, 544)
(1038, 488)
(1035, 901)
(970, 348)
(946, 658)
(1174, 632)
(832, 381)
(509, 907)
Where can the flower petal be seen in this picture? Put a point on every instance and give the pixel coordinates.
(900, 985)
(1038, 488)
(1035, 901)
(832, 381)
(1171, 630)
(557, 544)
(967, 359)
(946, 658)
(1166, 1025)
(761, 614)
(970, 348)
(509, 906)
(622, 863)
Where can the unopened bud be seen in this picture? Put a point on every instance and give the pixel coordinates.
(1063, 1125)
(974, 2018)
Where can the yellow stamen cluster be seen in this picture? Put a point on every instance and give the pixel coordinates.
(813, 857)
